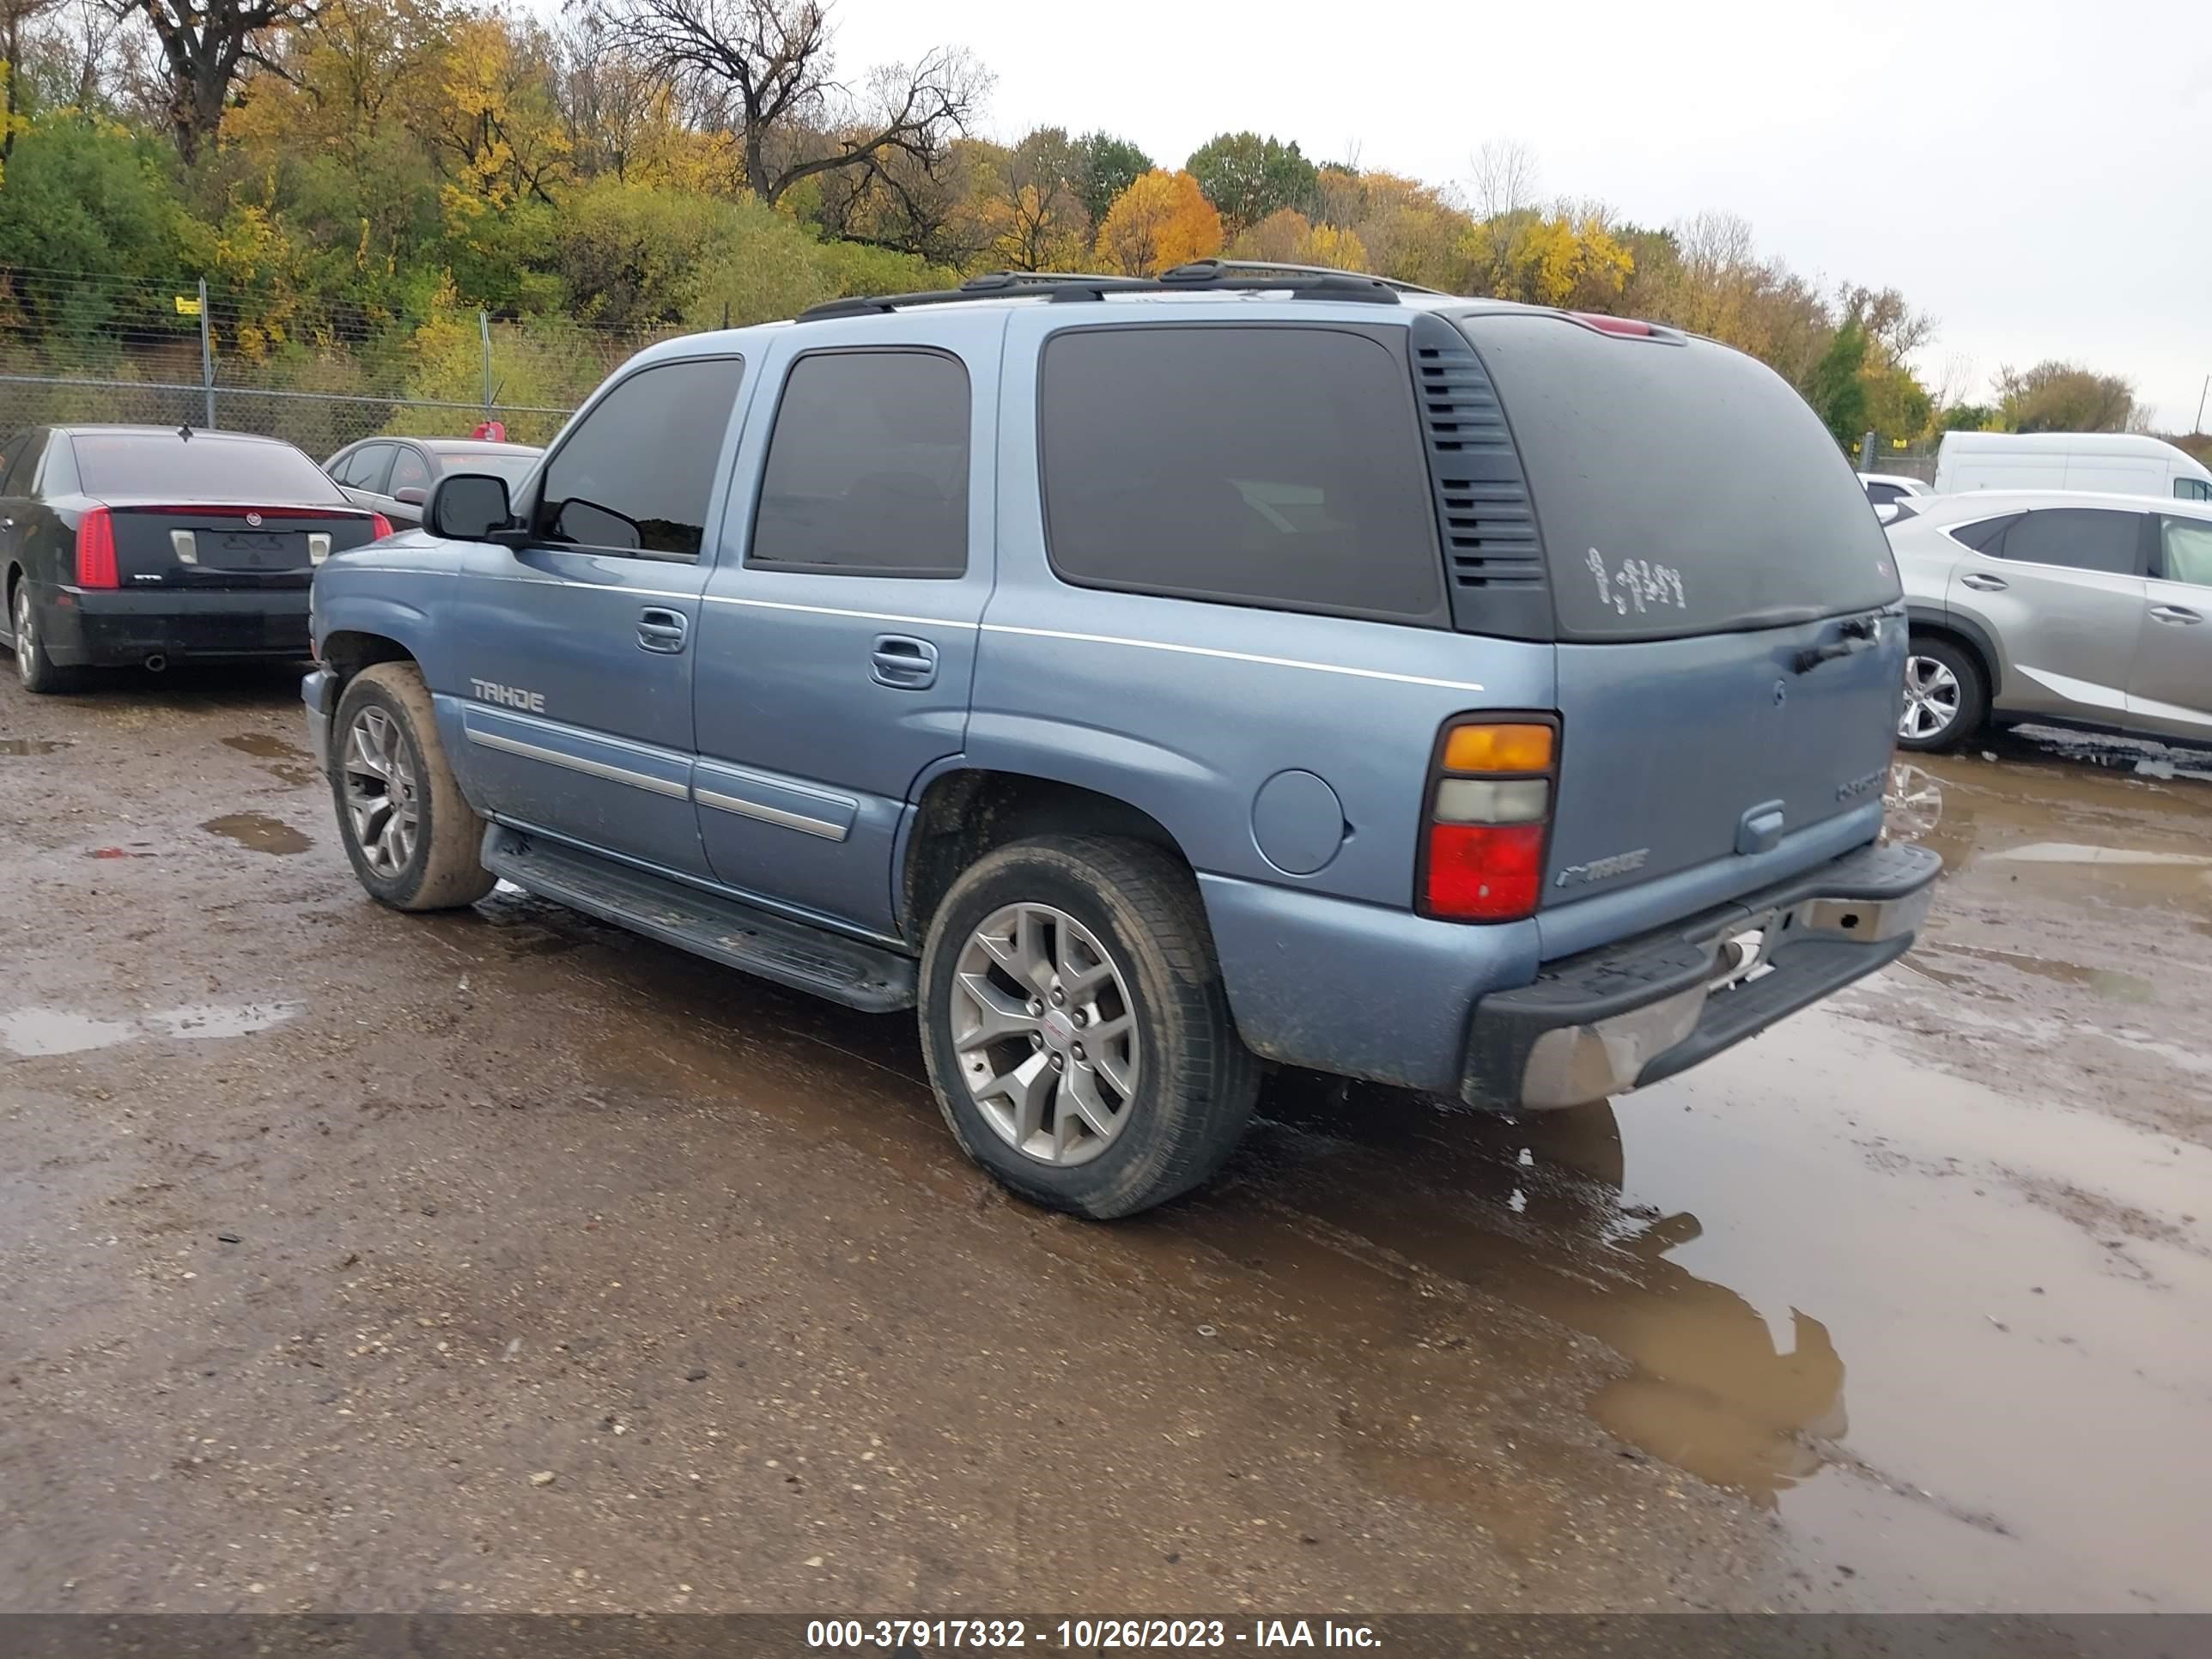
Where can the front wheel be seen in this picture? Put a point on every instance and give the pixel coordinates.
(1076, 1029)
(409, 832)
(1946, 700)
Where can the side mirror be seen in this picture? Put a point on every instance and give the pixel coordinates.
(467, 507)
(413, 494)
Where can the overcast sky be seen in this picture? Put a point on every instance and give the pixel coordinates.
(2037, 175)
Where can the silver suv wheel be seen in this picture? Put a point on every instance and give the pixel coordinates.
(26, 642)
(1045, 1032)
(381, 794)
(1932, 699)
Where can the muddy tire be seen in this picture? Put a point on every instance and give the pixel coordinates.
(35, 670)
(408, 830)
(1947, 695)
(1075, 1027)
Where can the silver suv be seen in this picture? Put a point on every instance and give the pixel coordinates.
(2059, 608)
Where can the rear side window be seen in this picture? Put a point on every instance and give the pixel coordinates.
(1983, 534)
(868, 467)
(409, 469)
(2192, 489)
(633, 475)
(1882, 495)
(204, 468)
(2185, 551)
(1680, 488)
(2080, 538)
(1267, 465)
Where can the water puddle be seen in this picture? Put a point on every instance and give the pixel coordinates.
(11, 747)
(260, 832)
(33, 1032)
(217, 1020)
(262, 746)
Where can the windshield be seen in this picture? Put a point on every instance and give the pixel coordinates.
(205, 468)
(511, 468)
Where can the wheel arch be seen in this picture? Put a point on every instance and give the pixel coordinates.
(1965, 632)
(962, 812)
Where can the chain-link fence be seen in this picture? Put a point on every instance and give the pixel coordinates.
(1914, 461)
(87, 348)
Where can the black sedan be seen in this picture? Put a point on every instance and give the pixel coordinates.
(147, 546)
(393, 476)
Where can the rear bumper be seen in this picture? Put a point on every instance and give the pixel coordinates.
(114, 630)
(1626, 1015)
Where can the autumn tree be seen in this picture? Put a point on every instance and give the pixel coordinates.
(1567, 257)
(1162, 221)
(1247, 177)
(2058, 396)
(1287, 237)
(765, 71)
(205, 45)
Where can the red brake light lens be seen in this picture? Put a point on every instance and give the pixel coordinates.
(1485, 873)
(95, 551)
(382, 525)
(1634, 328)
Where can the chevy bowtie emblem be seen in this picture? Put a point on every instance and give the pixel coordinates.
(254, 519)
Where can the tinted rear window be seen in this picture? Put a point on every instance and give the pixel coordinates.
(1680, 488)
(201, 469)
(1273, 465)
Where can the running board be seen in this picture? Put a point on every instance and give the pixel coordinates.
(754, 941)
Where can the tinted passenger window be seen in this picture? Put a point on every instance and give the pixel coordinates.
(634, 474)
(2078, 538)
(1882, 495)
(867, 468)
(1270, 466)
(10, 454)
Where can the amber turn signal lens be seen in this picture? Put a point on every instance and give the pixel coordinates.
(1498, 749)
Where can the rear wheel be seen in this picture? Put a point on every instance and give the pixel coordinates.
(1075, 1027)
(34, 667)
(410, 835)
(1946, 697)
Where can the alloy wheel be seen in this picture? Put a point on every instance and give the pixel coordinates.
(1932, 694)
(383, 801)
(1046, 1033)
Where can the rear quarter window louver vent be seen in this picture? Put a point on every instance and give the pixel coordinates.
(1493, 550)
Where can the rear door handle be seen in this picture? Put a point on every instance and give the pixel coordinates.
(902, 663)
(661, 630)
(1987, 583)
(2174, 613)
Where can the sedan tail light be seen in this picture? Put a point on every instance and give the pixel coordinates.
(381, 525)
(1491, 795)
(95, 551)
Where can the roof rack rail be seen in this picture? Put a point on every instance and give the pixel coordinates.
(1201, 276)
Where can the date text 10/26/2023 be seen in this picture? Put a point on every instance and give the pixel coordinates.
(1087, 1635)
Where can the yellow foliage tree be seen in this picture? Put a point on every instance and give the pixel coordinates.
(1557, 259)
(1162, 221)
(1286, 237)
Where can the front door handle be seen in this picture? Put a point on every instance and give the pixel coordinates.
(1984, 583)
(902, 663)
(661, 630)
(2174, 613)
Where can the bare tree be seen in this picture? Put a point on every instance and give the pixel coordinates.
(1893, 327)
(206, 45)
(1503, 174)
(765, 69)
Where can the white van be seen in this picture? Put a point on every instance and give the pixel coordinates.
(2113, 462)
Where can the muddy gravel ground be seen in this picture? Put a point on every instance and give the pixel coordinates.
(502, 1261)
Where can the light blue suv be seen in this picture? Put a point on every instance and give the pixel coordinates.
(1147, 680)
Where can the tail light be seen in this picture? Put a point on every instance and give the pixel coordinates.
(95, 551)
(381, 525)
(1491, 796)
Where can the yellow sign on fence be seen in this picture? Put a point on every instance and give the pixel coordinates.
(187, 307)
